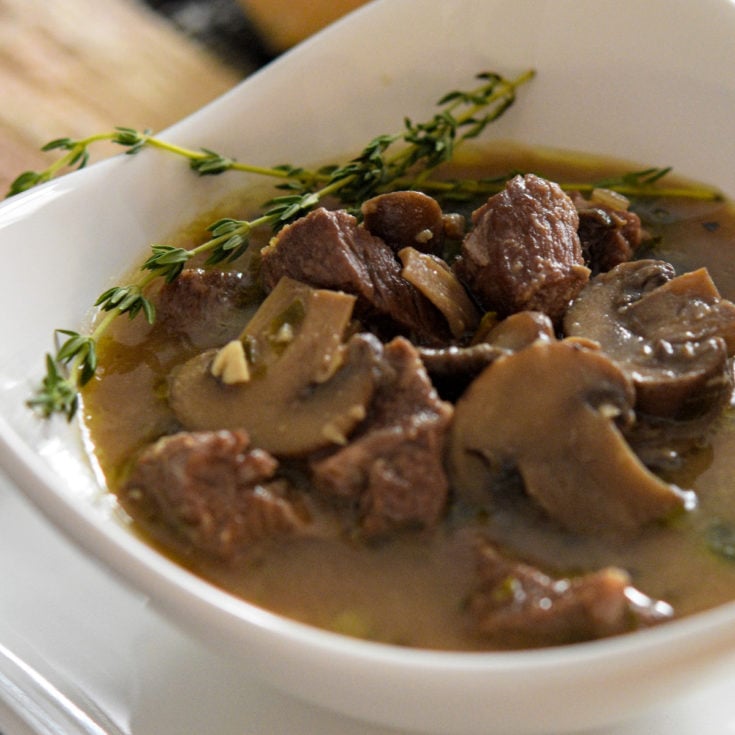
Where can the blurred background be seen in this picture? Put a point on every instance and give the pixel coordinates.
(73, 68)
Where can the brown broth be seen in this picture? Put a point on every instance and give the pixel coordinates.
(410, 590)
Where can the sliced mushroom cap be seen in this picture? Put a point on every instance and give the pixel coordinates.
(549, 412)
(520, 330)
(452, 368)
(670, 334)
(307, 390)
(436, 280)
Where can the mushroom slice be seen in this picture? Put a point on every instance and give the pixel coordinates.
(307, 389)
(549, 412)
(671, 334)
(436, 280)
(452, 368)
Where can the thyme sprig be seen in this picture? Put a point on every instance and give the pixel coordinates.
(465, 115)
(633, 184)
(204, 162)
(59, 392)
(421, 147)
(397, 161)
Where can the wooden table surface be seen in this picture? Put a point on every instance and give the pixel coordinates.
(71, 68)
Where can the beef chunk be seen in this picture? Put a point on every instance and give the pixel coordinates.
(523, 251)
(609, 236)
(206, 307)
(210, 491)
(392, 471)
(328, 249)
(405, 219)
(517, 605)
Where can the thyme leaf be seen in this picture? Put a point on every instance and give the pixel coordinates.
(211, 163)
(167, 260)
(131, 139)
(25, 181)
(127, 300)
(57, 394)
(400, 160)
(230, 239)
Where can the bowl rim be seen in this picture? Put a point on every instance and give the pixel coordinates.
(79, 521)
(185, 596)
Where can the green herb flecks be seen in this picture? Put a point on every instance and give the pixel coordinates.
(402, 160)
(416, 150)
(204, 162)
(721, 540)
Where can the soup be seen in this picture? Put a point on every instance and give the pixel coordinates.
(477, 545)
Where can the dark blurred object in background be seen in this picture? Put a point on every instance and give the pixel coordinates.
(221, 26)
(248, 33)
(284, 23)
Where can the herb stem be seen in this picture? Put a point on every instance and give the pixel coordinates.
(205, 155)
(419, 149)
(700, 193)
(476, 187)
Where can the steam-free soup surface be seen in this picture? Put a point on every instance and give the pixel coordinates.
(411, 588)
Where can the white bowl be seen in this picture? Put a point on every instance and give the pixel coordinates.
(648, 81)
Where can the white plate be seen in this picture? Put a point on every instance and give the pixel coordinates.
(645, 81)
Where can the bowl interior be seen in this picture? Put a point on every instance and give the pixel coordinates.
(646, 82)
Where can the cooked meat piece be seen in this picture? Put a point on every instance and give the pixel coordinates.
(405, 219)
(452, 368)
(517, 605)
(672, 335)
(523, 251)
(609, 236)
(392, 470)
(207, 307)
(328, 249)
(210, 491)
(550, 412)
